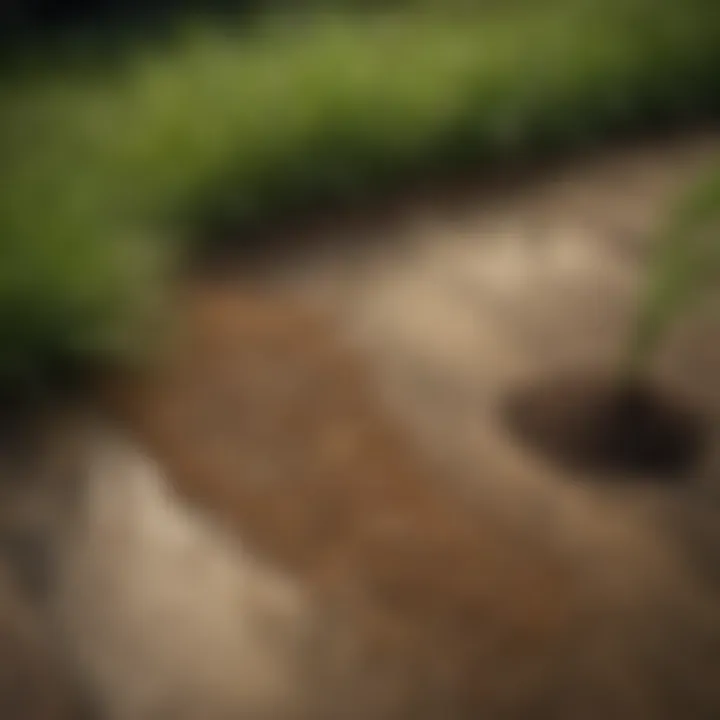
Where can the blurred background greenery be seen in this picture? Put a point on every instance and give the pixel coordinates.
(126, 126)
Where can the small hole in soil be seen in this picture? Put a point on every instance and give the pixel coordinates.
(591, 424)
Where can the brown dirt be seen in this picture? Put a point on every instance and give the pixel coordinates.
(601, 426)
(262, 417)
(265, 416)
(340, 415)
(461, 305)
(34, 684)
(288, 446)
(518, 577)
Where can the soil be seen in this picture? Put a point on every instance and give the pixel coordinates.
(455, 306)
(34, 684)
(266, 419)
(617, 431)
(342, 412)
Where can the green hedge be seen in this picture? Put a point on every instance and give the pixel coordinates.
(105, 169)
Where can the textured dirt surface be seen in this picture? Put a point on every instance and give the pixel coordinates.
(33, 685)
(265, 419)
(459, 301)
(342, 415)
(468, 301)
(394, 550)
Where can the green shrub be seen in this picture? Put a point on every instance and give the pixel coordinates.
(98, 163)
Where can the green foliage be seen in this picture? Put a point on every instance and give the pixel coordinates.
(100, 165)
(684, 270)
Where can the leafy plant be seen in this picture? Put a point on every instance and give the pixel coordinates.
(240, 125)
(684, 270)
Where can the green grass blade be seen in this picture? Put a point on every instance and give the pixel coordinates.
(684, 270)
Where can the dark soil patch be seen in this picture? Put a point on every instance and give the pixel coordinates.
(589, 423)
